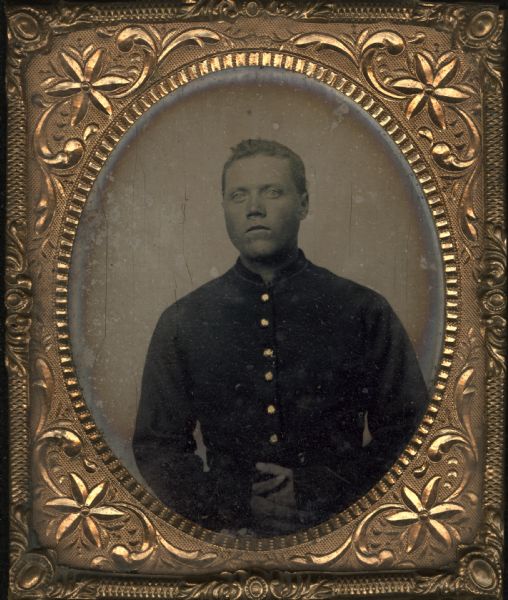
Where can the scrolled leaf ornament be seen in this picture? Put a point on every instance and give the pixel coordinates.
(42, 391)
(449, 159)
(66, 158)
(370, 45)
(362, 51)
(136, 37)
(156, 48)
(18, 298)
(299, 587)
(198, 36)
(367, 552)
(493, 298)
(325, 559)
(127, 557)
(151, 544)
(184, 557)
(58, 435)
(452, 443)
(51, 188)
(360, 543)
(319, 41)
(217, 8)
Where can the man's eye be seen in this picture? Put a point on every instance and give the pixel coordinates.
(272, 193)
(238, 196)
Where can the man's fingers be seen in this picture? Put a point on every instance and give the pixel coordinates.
(284, 496)
(262, 487)
(273, 469)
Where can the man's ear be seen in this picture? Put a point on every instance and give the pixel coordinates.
(304, 206)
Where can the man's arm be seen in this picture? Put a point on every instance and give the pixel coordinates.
(395, 397)
(398, 396)
(163, 442)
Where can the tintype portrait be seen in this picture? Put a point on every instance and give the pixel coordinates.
(256, 269)
(279, 361)
(277, 390)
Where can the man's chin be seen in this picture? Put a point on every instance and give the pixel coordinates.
(267, 256)
(260, 253)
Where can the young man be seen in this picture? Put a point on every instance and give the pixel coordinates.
(279, 361)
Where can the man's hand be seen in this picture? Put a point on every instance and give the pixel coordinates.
(279, 488)
(273, 501)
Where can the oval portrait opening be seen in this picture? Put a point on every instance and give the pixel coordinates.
(256, 302)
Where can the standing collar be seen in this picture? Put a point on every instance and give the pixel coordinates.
(295, 266)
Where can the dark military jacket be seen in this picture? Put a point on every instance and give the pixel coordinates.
(283, 373)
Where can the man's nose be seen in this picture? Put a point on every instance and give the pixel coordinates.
(255, 205)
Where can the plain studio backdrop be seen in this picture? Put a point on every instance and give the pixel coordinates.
(153, 229)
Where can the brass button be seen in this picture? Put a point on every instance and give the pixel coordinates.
(274, 438)
(264, 322)
(265, 297)
(269, 376)
(268, 352)
(270, 409)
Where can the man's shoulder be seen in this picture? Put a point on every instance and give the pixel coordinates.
(199, 300)
(327, 282)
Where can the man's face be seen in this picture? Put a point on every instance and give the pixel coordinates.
(262, 206)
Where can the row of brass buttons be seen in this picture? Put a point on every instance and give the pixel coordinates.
(269, 353)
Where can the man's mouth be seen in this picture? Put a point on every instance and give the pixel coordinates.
(258, 228)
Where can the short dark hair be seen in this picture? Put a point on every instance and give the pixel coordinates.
(254, 147)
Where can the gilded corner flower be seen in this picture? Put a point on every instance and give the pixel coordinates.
(86, 83)
(83, 510)
(424, 516)
(431, 87)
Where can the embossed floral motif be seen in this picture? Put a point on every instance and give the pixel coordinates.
(425, 515)
(84, 510)
(86, 83)
(431, 87)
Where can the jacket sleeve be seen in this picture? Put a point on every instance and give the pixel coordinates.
(395, 396)
(163, 443)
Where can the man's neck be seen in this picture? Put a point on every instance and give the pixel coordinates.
(267, 269)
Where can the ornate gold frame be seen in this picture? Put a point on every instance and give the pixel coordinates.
(451, 56)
